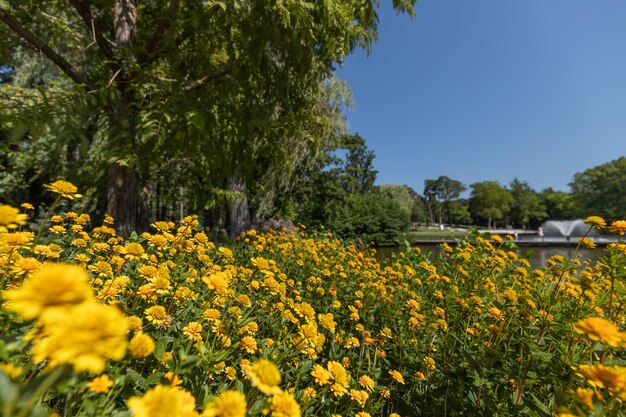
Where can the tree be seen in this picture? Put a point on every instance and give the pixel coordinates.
(527, 206)
(440, 193)
(221, 86)
(489, 201)
(401, 195)
(559, 204)
(371, 217)
(601, 190)
(360, 174)
(345, 169)
(458, 212)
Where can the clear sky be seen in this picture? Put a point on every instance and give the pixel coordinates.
(493, 90)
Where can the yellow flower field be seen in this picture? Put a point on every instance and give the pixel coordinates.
(299, 324)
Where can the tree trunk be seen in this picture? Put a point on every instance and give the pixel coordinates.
(123, 181)
(238, 212)
(431, 219)
(121, 198)
(440, 213)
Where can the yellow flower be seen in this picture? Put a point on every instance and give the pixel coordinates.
(265, 376)
(25, 266)
(585, 395)
(248, 344)
(595, 221)
(585, 242)
(284, 405)
(327, 321)
(397, 376)
(141, 345)
(321, 375)
(64, 189)
(601, 330)
(11, 370)
(367, 383)
(84, 336)
(133, 250)
(430, 363)
(359, 396)
(193, 330)
(173, 379)
(618, 226)
(50, 290)
(100, 385)
(163, 401)
(156, 314)
(217, 282)
(16, 239)
(211, 314)
(11, 217)
(227, 404)
(604, 376)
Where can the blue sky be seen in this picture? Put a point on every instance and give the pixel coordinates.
(493, 90)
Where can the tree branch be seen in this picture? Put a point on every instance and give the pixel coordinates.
(43, 47)
(201, 81)
(216, 74)
(84, 10)
(150, 54)
(163, 26)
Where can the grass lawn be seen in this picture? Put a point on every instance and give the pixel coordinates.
(432, 233)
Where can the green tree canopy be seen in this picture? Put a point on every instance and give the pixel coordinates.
(559, 205)
(489, 201)
(527, 206)
(400, 194)
(207, 90)
(440, 192)
(601, 190)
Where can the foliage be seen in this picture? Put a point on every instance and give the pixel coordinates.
(360, 174)
(489, 201)
(600, 189)
(441, 192)
(400, 194)
(291, 324)
(527, 208)
(559, 204)
(458, 212)
(192, 92)
(372, 218)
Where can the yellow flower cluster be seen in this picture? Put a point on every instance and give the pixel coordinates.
(285, 324)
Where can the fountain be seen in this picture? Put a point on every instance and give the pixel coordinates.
(565, 228)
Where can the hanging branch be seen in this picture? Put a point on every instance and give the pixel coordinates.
(84, 10)
(41, 46)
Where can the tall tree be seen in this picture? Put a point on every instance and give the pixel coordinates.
(489, 201)
(601, 190)
(527, 207)
(441, 192)
(214, 84)
(360, 174)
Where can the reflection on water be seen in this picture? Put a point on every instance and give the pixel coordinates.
(536, 255)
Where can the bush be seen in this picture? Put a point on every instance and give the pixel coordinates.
(371, 217)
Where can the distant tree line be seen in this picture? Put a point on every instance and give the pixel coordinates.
(600, 190)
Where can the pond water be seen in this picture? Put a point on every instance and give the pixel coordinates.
(536, 255)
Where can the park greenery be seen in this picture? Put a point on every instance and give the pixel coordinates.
(295, 323)
(231, 111)
(155, 159)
